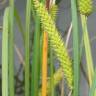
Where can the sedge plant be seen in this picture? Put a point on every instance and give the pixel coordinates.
(85, 8)
(47, 41)
(55, 41)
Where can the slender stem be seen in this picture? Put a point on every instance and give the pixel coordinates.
(37, 51)
(11, 49)
(75, 48)
(87, 49)
(51, 72)
(27, 48)
(5, 54)
(44, 65)
(44, 61)
(52, 2)
(36, 59)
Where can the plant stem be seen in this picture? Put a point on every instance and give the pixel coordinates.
(5, 54)
(87, 49)
(36, 59)
(11, 48)
(75, 48)
(52, 72)
(44, 64)
(27, 48)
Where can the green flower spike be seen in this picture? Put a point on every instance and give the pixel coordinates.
(53, 11)
(85, 7)
(56, 42)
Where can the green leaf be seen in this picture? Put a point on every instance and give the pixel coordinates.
(5, 53)
(11, 49)
(27, 48)
(51, 72)
(75, 48)
(87, 46)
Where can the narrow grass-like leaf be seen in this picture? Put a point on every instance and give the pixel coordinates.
(76, 54)
(89, 59)
(27, 48)
(36, 56)
(5, 53)
(35, 63)
(37, 52)
(87, 49)
(51, 72)
(11, 49)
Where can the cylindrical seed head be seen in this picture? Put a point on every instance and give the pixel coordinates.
(56, 42)
(85, 7)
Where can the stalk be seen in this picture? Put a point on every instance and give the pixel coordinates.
(5, 53)
(44, 61)
(51, 72)
(44, 64)
(11, 49)
(27, 48)
(76, 53)
(36, 59)
(87, 49)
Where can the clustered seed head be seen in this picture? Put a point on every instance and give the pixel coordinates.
(53, 11)
(85, 7)
(56, 42)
